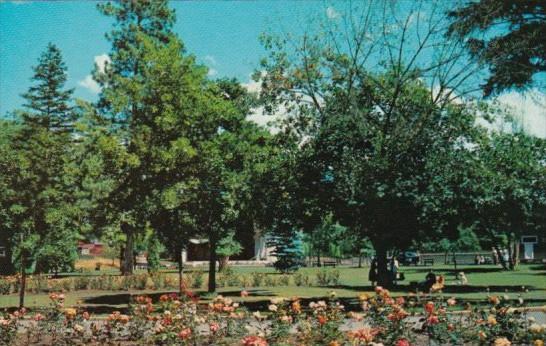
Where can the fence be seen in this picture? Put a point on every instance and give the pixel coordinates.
(461, 258)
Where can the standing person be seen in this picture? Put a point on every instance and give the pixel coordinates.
(395, 267)
(372, 274)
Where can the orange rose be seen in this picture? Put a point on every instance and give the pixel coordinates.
(429, 307)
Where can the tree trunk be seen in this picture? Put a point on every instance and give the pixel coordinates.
(510, 255)
(212, 263)
(223, 263)
(516, 253)
(359, 260)
(513, 254)
(383, 275)
(121, 252)
(455, 260)
(23, 281)
(181, 285)
(318, 259)
(128, 259)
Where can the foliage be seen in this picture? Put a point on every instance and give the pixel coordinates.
(467, 241)
(43, 217)
(228, 246)
(508, 37)
(367, 131)
(127, 147)
(288, 251)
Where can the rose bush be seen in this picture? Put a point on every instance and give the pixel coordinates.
(185, 320)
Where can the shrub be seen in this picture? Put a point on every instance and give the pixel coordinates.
(158, 279)
(81, 282)
(301, 279)
(140, 281)
(195, 279)
(246, 280)
(233, 280)
(322, 277)
(333, 277)
(284, 280)
(328, 277)
(106, 282)
(257, 279)
(270, 281)
(5, 286)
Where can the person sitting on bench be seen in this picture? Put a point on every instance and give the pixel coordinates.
(426, 285)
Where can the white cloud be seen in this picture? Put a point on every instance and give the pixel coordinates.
(210, 60)
(331, 13)
(528, 109)
(90, 84)
(212, 72)
(252, 86)
(101, 61)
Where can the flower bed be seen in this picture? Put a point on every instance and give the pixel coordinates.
(174, 320)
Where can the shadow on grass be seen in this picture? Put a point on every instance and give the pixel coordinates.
(466, 270)
(447, 289)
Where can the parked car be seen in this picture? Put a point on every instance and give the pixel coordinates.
(409, 257)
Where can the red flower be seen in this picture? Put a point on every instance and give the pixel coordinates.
(365, 334)
(433, 319)
(214, 327)
(429, 307)
(322, 319)
(403, 342)
(253, 341)
(184, 333)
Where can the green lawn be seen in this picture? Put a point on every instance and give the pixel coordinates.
(353, 281)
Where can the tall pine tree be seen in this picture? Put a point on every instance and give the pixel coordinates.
(47, 100)
(41, 211)
(122, 102)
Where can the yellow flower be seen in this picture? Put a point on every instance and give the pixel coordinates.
(78, 328)
(491, 320)
(502, 342)
(363, 297)
(70, 313)
(535, 328)
(538, 342)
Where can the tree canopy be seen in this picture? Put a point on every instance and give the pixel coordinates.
(506, 36)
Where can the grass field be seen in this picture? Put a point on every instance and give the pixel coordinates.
(529, 281)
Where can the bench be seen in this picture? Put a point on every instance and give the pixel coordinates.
(428, 261)
(329, 263)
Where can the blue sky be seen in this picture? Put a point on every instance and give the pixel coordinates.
(222, 34)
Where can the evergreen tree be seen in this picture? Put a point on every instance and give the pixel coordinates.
(47, 100)
(288, 249)
(43, 210)
(124, 105)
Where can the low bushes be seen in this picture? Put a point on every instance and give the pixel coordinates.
(193, 279)
(41, 284)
